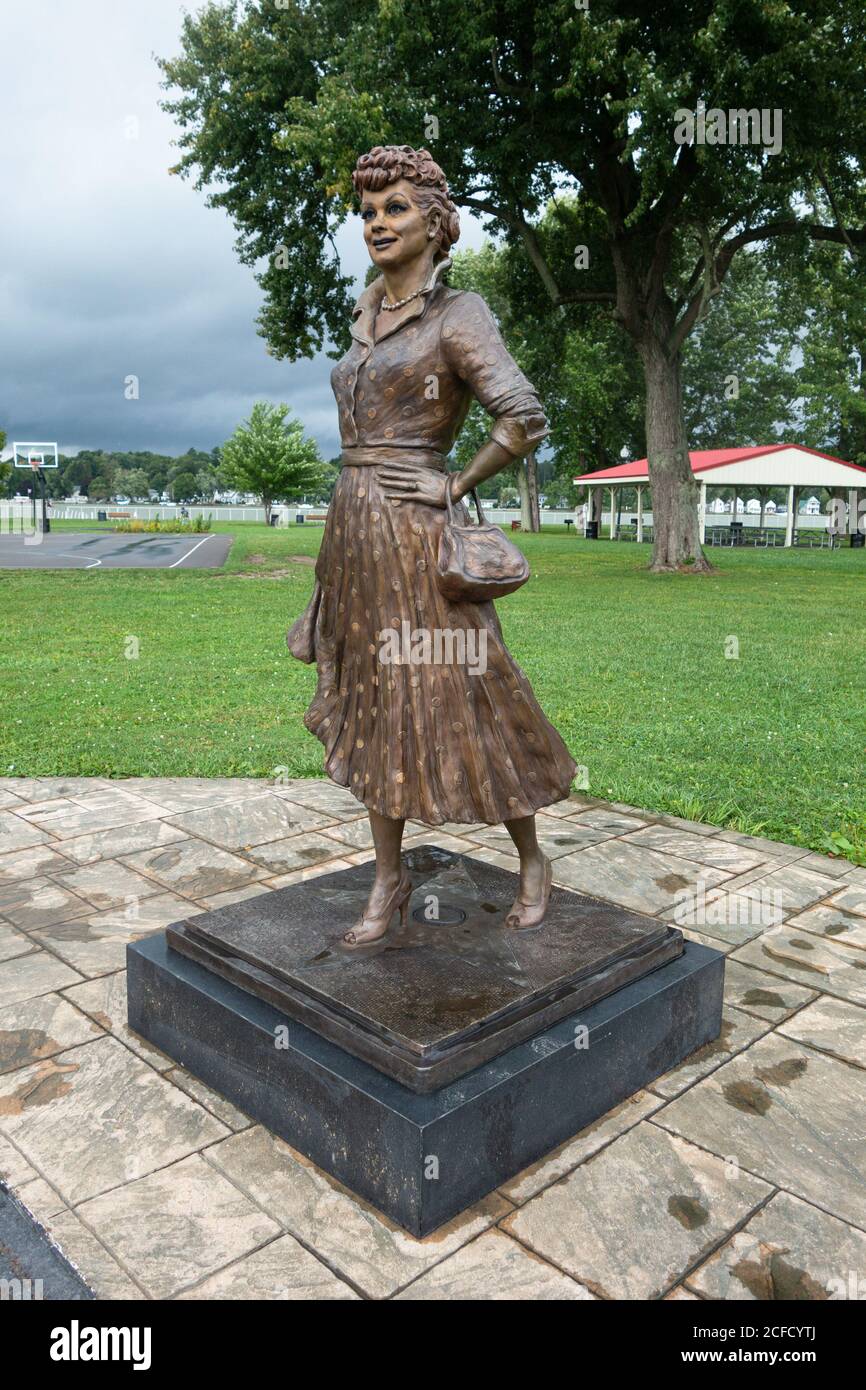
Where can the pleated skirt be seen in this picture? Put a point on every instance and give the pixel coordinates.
(422, 710)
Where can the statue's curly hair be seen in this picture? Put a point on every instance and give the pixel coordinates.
(387, 163)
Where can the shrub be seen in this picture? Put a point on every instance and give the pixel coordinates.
(195, 526)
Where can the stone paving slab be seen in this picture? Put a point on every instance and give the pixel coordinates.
(177, 1225)
(702, 849)
(37, 902)
(195, 868)
(790, 1115)
(29, 863)
(303, 851)
(739, 1175)
(826, 965)
(755, 992)
(14, 1168)
(88, 813)
(106, 884)
(726, 919)
(14, 943)
(836, 923)
(851, 899)
(96, 945)
(557, 835)
(40, 1027)
(376, 1256)
(788, 1251)
(96, 1117)
(255, 820)
(739, 1031)
(16, 833)
(494, 1267)
(795, 886)
(41, 1200)
(26, 976)
(109, 844)
(633, 876)
(82, 1248)
(589, 1141)
(104, 1001)
(281, 1270)
(629, 1222)
(832, 1026)
(211, 1100)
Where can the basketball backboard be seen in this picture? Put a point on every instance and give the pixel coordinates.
(35, 455)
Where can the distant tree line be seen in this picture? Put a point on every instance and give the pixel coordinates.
(269, 457)
(100, 474)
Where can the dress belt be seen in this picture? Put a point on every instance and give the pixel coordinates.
(393, 454)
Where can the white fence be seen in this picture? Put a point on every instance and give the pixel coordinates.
(68, 511)
(804, 521)
(65, 511)
(19, 511)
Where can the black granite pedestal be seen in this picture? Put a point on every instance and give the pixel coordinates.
(422, 1110)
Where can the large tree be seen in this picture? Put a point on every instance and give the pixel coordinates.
(270, 455)
(520, 102)
(831, 381)
(585, 373)
(739, 380)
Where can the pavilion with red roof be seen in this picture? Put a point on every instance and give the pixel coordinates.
(788, 466)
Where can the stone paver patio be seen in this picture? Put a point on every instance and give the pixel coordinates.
(740, 1175)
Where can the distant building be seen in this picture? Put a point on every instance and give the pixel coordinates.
(789, 468)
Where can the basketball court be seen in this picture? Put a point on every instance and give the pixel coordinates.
(37, 547)
(85, 550)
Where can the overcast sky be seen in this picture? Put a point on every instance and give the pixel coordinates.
(109, 266)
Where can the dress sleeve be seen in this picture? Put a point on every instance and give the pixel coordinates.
(473, 347)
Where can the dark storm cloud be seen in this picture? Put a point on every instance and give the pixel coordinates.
(111, 267)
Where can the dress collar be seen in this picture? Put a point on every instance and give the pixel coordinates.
(367, 305)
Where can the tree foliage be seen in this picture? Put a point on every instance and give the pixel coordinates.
(270, 455)
(523, 103)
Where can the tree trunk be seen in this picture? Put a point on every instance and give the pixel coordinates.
(675, 490)
(527, 483)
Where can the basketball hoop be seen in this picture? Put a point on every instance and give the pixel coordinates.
(35, 455)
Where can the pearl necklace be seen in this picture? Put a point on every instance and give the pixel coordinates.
(389, 308)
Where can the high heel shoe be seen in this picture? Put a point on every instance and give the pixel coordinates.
(524, 916)
(378, 924)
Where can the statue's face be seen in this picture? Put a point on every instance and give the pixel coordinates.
(395, 227)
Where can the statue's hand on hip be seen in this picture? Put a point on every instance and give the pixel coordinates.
(407, 482)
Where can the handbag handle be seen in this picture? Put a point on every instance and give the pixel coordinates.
(449, 501)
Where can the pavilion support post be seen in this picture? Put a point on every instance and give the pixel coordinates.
(593, 506)
(639, 513)
(762, 493)
(789, 519)
(702, 513)
(612, 532)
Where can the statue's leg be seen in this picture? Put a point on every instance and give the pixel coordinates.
(391, 886)
(530, 904)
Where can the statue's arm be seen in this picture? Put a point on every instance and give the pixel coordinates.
(474, 349)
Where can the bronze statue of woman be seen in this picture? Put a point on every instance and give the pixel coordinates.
(431, 741)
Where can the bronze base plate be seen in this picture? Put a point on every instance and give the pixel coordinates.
(431, 1001)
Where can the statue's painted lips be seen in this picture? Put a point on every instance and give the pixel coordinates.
(381, 242)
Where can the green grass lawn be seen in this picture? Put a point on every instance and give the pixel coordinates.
(631, 667)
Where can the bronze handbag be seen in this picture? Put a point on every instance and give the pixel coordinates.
(476, 563)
